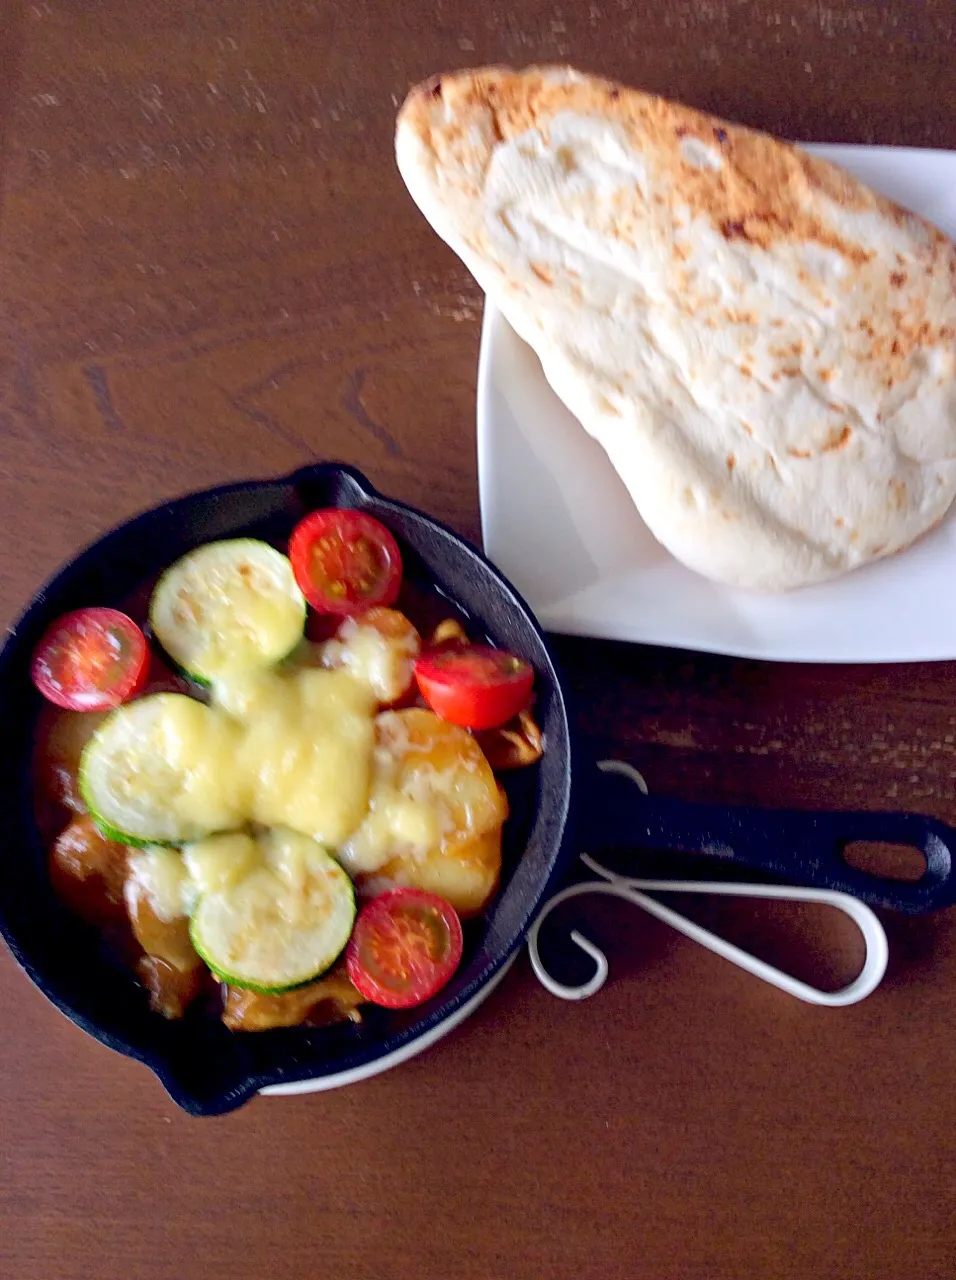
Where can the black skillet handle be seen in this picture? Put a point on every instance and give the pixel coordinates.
(796, 846)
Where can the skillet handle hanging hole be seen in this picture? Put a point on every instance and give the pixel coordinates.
(886, 860)
(905, 861)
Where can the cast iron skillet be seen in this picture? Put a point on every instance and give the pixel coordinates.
(209, 1070)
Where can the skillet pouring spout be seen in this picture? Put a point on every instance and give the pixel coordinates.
(804, 847)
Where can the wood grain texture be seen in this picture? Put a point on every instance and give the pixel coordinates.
(209, 269)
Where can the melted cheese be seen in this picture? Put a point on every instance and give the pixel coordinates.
(404, 793)
(383, 659)
(221, 861)
(159, 875)
(432, 789)
(303, 751)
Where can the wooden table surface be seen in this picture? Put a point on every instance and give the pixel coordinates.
(209, 269)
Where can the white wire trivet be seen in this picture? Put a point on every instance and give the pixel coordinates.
(635, 890)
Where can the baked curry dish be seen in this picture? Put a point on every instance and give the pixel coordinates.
(275, 792)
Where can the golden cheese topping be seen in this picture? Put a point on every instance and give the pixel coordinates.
(160, 876)
(431, 788)
(304, 749)
(300, 750)
(380, 648)
(221, 861)
(291, 750)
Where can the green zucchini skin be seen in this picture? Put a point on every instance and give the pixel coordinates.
(124, 748)
(328, 932)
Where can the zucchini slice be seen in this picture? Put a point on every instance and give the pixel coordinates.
(228, 606)
(160, 770)
(283, 924)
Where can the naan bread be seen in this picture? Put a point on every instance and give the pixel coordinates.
(765, 348)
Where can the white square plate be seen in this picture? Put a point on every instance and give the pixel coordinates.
(559, 523)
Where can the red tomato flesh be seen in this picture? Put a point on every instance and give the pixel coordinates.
(345, 561)
(405, 946)
(91, 660)
(477, 687)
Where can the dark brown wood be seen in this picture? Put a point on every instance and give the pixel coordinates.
(209, 269)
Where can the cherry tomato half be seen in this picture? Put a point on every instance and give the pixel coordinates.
(477, 687)
(91, 660)
(405, 946)
(345, 561)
